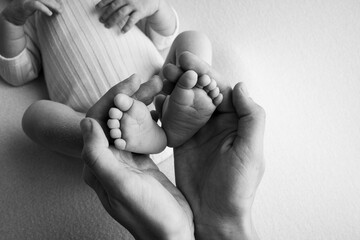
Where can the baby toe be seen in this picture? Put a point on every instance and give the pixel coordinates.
(218, 100)
(214, 93)
(113, 123)
(123, 102)
(115, 113)
(212, 85)
(120, 144)
(115, 133)
(203, 81)
(188, 80)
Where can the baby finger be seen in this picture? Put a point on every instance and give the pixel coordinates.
(132, 20)
(110, 9)
(103, 3)
(52, 5)
(38, 6)
(119, 17)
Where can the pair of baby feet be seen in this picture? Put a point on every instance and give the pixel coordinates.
(188, 108)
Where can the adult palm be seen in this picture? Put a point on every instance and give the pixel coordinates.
(218, 169)
(130, 186)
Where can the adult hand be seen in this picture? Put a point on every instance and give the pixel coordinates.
(219, 169)
(130, 186)
(126, 13)
(18, 11)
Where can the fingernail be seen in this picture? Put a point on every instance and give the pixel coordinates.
(244, 90)
(86, 125)
(101, 19)
(107, 25)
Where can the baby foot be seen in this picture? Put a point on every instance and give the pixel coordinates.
(133, 128)
(190, 105)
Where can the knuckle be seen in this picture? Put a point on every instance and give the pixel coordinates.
(131, 21)
(114, 5)
(122, 11)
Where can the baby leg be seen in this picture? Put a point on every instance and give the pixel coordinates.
(193, 96)
(133, 128)
(55, 126)
(189, 41)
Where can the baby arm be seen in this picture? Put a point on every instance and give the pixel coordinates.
(17, 65)
(127, 13)
(164, 20)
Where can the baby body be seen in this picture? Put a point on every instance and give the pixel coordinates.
(81, 58)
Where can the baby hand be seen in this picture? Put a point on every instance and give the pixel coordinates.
(18, 11)
(126, 13)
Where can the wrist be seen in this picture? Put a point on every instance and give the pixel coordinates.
(227, 229)
(8, 15)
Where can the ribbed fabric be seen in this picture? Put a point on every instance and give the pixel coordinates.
(81, 58)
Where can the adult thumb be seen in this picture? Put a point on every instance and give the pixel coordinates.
(251, 116)
(99, 158)
(93, 134)
(94, 140)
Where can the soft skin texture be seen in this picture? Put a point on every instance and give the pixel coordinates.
(126, 13)
(136, 130)
(189, 107)
(133, 190)
(12, 19)
(62, 132)
(184, 112)
(219, 169)
(189, 60)
(130, 87)
(123, 194)
(67, 139)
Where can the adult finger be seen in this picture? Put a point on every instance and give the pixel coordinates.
(100, 109)
(109, 171)
(168, 87)
(95, 141)
(148, 90)
(189, 61)
(251, 118)
(171, 73)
